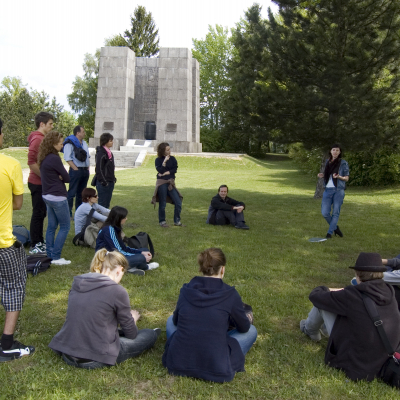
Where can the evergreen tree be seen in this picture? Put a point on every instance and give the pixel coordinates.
(333, 76)
(142, 38)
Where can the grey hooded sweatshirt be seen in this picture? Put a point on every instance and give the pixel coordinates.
(96, 305)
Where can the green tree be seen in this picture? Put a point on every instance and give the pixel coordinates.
(331, 73)
(18, 107)
(116, 41)
(142, 37)
(83, 98)
(213, 54)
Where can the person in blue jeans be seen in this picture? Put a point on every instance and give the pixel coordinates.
(97, 304)
(336, 174)
(199, 343)
(76, 154)
(54, 193)
(167, 166)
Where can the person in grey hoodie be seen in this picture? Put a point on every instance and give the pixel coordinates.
(90, 337)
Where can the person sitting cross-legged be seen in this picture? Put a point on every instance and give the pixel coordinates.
(90, 337)
(224, 210)
(354, 344)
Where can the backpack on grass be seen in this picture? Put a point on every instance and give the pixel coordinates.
(79, 239)
(140, 241)
(22, 234)
(37, 263)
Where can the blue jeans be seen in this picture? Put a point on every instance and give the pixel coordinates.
(163, 192)
(105, 193)
(78, 182)
(57, 214)
(128, 348)
(332, 197)
(316, 318)
(138, 260)
(245, 340)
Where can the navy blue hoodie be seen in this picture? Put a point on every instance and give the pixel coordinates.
(200, 347)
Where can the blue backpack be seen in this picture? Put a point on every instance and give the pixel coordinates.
(22, 234)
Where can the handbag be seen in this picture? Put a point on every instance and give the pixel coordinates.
(390, 371)
(94, 181)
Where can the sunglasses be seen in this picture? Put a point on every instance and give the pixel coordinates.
(95, 196)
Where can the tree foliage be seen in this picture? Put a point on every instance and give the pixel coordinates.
(213, 54)
(83, 98)
(331, 73)
(18, 107)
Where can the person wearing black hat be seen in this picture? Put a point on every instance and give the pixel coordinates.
(354, 344)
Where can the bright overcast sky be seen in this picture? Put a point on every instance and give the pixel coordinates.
(44, 41)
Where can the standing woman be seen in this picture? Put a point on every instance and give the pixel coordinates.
(167, 166)
(54, 193)
(105, 170)
(198, 341)
(335, 175)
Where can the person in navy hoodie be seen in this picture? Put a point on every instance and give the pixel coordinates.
(54, 193)
(198, 341)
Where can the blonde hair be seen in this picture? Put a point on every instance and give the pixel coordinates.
(104, 259)
(210, 261)
(365, 276)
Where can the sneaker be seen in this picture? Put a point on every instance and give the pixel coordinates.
(153, 265)
(157, 331)
(316, 337)
(61, 261)
(39, 248)
(136, 271)
(17, 350)
(164, 224)
(179, 224)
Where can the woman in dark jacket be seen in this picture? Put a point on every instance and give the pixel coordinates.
(96, 305)
(110, 238)
(54, 193)
(336, 174)
(167, 166)
(354, 342)
(105, 170)
(198, 341)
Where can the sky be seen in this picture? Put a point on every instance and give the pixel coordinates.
(43, 42)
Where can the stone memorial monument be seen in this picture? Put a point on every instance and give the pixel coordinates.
(151, 100)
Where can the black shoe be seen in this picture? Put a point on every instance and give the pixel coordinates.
(242, 226)
(328, 236)
(136, 271)
(17, 350)
(157, 331)
(338, 232)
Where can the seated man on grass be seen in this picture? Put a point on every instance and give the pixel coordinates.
(224, 210)
(355, 345)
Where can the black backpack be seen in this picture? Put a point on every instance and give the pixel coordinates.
(37, 263)
(80, 154)
(79, 239)
(139, 241)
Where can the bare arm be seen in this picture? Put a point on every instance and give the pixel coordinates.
(35, 169)
(72, 165)
(17, 201)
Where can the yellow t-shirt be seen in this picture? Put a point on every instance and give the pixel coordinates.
(10, 183)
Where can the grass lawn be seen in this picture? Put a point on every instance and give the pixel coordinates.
(273, 266)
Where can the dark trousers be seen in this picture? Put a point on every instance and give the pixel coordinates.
(229, 217)
(38, 214)
(138, 260)
(105, 193)
(78, 182)
(128, 348)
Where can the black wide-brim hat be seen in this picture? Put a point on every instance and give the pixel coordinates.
(371, 262)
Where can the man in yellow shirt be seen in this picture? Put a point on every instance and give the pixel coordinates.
(12, 256)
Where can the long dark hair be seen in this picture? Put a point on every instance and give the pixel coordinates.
(335, 146)
(117, 214)
(161, 149)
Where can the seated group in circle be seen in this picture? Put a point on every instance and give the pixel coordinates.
(206, 307)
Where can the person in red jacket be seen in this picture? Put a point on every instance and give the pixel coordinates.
(44, 124)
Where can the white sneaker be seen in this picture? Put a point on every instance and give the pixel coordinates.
(61, 261)
(153, 265)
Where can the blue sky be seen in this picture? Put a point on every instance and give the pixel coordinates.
(43, 42)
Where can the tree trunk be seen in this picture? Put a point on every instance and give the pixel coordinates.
(319, 190)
